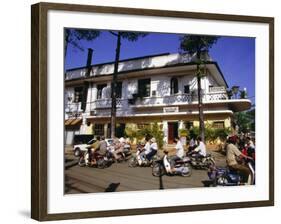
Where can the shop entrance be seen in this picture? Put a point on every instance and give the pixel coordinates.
(172, 131)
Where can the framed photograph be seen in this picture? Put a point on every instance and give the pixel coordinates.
(138, 111)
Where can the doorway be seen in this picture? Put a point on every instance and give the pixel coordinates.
(172, 131)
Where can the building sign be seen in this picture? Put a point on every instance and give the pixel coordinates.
(217, 89)
(170, 109)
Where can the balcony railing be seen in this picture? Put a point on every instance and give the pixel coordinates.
(74, 109)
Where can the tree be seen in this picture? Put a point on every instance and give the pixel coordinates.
(130, 36)
(197, 45)
(74, 36)
(245, 120)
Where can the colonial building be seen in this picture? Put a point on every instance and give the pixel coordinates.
(157, 88)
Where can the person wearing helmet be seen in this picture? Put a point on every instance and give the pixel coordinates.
(231, 153)
(153, 149)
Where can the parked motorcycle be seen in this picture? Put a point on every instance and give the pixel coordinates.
(223, 176)
(140, 160)
(201, 162)
(163, 166)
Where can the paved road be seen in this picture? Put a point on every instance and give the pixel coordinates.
(120, 177)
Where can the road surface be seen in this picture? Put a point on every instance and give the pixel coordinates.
(121, 177)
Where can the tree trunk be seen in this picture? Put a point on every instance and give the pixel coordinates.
(113, 87)
(200, 105)
(66, 40)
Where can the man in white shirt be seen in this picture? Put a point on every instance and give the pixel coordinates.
(201, 148)
(153, 149)
(179, 152)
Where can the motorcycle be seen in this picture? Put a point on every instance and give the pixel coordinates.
(102, 162)
(124, 155)
(223, 176)
(201, 162)
(163, 166)
(140, 160)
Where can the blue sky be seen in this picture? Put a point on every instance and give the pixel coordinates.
(234, 55)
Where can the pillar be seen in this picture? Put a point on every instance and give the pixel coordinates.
(165, 131)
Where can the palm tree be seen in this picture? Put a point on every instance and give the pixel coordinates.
(197, 45)
(131, 36)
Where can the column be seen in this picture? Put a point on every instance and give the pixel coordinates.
(105, 129)
(165, 131)
(181, 124)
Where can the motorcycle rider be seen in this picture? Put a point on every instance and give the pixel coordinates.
(200, 150)
(103, 147)
(92, 149)
(192, 144)
(118, 149)
(250, 147)
(179, 152)
(147, 149)
(153, 149)
(231, 153)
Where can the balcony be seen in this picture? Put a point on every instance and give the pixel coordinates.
(177, 99)
(73, 110)
(126, 106)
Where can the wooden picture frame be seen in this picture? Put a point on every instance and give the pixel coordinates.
(39, 108)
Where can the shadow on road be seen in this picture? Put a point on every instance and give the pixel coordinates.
(112, 187)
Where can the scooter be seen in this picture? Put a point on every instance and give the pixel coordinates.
(223, 176)
(140, 160)
(163, 166)
(201, 162)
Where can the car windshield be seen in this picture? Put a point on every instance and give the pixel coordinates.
(82, 139)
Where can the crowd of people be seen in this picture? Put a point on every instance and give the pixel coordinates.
(237, 148)
(101, 147)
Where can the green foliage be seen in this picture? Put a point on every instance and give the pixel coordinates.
(158, 134)
(197, 44)
(130, 133)
(243, 94)
(153, 130)
(222, 133)
(194, 132)
(211, 133)
(74, 36)
(132, 36)
(183, 132)
(245, 120)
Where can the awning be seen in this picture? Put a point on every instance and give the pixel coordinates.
(72, 121)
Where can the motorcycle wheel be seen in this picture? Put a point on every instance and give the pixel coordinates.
(133, 162)
(210, 163)
(101, 164)
(158, 170)
(189, 168)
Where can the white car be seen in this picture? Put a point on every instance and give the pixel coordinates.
(83, 147)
